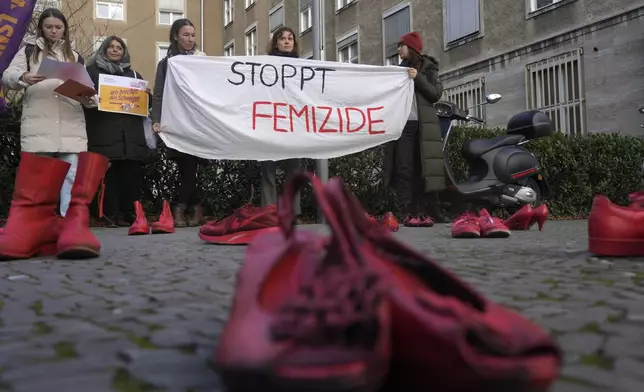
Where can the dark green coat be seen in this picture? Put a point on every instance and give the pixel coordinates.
(428, 90)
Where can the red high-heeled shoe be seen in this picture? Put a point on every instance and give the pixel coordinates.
(521, 219)
(539, 216)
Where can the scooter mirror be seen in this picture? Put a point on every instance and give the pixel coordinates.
(642, 110)
(493, 98)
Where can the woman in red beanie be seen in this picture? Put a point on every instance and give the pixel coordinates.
(414, 163)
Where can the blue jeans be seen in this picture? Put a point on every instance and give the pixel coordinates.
(66, 190)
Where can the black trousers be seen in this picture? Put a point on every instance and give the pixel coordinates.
(187, 190)
(407, 179)
(123, 186)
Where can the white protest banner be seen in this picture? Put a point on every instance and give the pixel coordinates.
(274, 108)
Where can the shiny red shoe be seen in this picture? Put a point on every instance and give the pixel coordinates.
(308, 315)
(241, 227)
(446, 336)
(614, 230)
(165, 224)
(426, 221)
(539, 216)
(140, 225)
(466, 226)
(412, 221)
(521, 219)
(491, 226)
(389, 221)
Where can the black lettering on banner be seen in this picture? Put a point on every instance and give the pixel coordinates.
(304, 78)
(261, 75)
(324, 70)
(252, 71)
(232, 68)
(285, 76)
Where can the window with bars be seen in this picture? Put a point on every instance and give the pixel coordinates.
(395, 24)
(276, 18)
(555, 86)
(348, 50)
(228, 11)
(466, 95)
(251, 42)
(110, 9)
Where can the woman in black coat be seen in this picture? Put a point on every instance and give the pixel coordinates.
(119, 137)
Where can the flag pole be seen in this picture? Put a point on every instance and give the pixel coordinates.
(321, 165)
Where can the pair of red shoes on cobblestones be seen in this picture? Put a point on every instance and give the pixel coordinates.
(526, 217)
(34, 227)
(470, 225)
(141, 226)
(359, 310)
(242, 226)
(615, 230)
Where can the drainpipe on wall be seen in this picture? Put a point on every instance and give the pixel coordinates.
(201, 25)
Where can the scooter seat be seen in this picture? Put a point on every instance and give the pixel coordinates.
(477, 147)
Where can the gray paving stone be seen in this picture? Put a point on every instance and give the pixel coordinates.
(150, 309)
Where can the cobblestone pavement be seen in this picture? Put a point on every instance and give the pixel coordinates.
(146, 315)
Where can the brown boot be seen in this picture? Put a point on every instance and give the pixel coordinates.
(179, 215)
(197, 218)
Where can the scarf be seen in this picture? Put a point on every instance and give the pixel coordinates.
(283, 54)
(182, 52)
(113, 68)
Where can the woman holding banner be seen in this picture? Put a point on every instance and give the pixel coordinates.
(283, 43)
(119, 137)
(182, 42)
(414, 163)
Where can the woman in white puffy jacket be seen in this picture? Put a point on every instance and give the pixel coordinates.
(51, 124)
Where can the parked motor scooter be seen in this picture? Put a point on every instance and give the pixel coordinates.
(502, 173)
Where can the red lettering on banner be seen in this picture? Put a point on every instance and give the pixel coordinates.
(318, 118)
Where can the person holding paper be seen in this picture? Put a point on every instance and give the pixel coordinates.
(51, 124)
(182, 42)
(119, 137)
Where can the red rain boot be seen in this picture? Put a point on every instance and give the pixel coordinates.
(521, 219)
(76, 240)
(539, 216)
(165, 224)
(32, 226)
(140, 225)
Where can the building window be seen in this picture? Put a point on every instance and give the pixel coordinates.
(96, 43)
(340, 4)
(162, 51)
(306, 17)
(229, 48)
(168, 17)
(538, 4)
(307, 56)
(395, 23)
(249, 3)
(556, 87)
(348, 48)
(276, 17)
(110, 9)
(462, 20)
(251, 41)
(466, 95)
(229, 11)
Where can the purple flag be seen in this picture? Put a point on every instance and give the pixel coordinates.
(15, 16)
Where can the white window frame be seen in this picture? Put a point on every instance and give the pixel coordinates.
(531, 9)
(465, 39)
(342, 4)
(229, 48)
(161, 46)
(387, 60)
(110, 4)
(466, 95)
(229, 11)
(250, 34)
(274, 10)
(309, 13)
(173, 14)
(307, 56)
(565, 102)
(532, 5)
(249, 3)
(349, 34)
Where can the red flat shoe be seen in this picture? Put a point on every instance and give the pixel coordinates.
(614, 230)
(241, 227)
(491, 226)
(521, 219)
(446, 336)
(307, 313)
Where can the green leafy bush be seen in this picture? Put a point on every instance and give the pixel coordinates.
(577, 168)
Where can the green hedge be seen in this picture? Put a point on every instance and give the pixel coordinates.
(577, 168)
